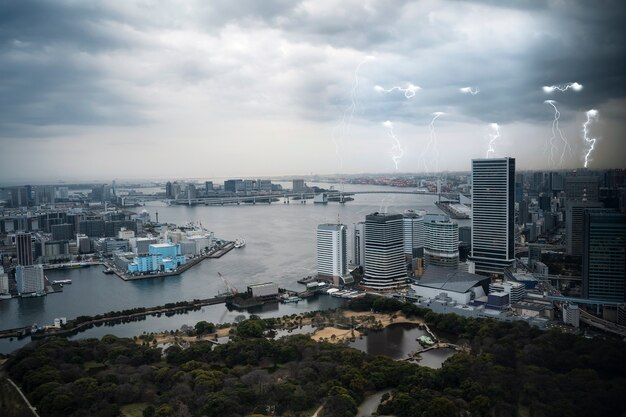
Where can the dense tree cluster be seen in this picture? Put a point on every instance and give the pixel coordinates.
(513, 369)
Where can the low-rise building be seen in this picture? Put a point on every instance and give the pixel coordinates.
(516, 290)
(4, 282)
(155, 263)
(571, 315)
(459, 286)
(266, 290)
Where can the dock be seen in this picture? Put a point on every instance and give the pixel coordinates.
(192, 262)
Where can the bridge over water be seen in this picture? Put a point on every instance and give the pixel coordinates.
(335, 195)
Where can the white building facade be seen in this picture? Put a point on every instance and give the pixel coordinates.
(30, 279)
(332, 247)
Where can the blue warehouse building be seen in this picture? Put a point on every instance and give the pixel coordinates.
(162, 257)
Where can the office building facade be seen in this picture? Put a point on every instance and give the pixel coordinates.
(332, 252)
(385, 267)
(24, 249)
(358, 243)
(493, 214)
(441, 241)
(413, 229)
(574, 214)
(604, 255)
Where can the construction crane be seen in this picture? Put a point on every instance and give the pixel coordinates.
(229, 289)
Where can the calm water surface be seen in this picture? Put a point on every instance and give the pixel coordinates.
(280, 248)
(397, 341)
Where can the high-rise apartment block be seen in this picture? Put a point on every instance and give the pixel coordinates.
(493, 214)
(332, 252)
(385, 266)
(30, 279)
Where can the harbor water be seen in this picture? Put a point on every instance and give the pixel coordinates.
(280, 247)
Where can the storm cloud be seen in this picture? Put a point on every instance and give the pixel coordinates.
(231, 80)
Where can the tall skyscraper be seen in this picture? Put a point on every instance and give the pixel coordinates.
(24, 247)
(413, 225)
(358, 241)
(493, 214)
(332, 252)
(441, 241)
(385, 267)
(574, 214)
(604, 255)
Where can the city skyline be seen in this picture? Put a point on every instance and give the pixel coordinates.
(139, 91)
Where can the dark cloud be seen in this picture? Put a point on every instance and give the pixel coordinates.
(67, 63)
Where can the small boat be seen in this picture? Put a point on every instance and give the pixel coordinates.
(108, 271)
(293, 299)
(240, 243)
(62, 281)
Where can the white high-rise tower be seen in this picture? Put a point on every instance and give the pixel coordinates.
(332, 247)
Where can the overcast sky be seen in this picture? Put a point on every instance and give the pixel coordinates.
(173, 89)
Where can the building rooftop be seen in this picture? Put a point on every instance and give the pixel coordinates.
(331, 227)
(449, 279)
(162, 245)
(263, 284)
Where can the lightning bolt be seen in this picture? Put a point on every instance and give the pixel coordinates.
(409, 91)
(562, 87)
(469, 90)
(555, 130)
(555, 124)
(343, 127)
(397, 151)
(591, 142)
(432, 143)
(493, 136)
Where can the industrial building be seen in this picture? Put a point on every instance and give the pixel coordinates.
(265, 291)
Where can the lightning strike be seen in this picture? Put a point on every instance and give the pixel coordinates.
(432, 143)
(493, 136)
(562, 87)
(397, 151)
(555, 130)
(469, 90)
(591, 142)
(343, 127)
(409, 91)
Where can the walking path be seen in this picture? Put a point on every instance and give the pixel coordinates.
(33, 409)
